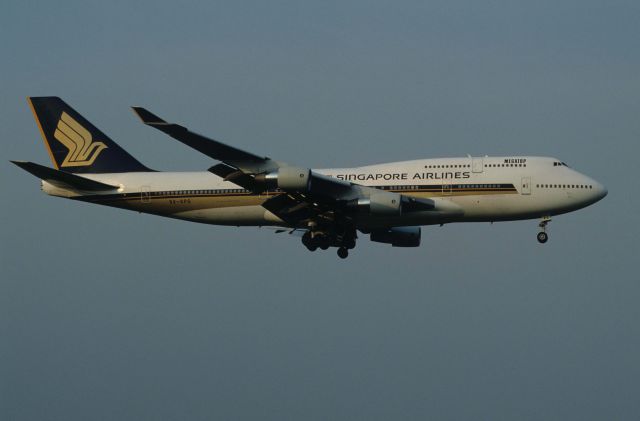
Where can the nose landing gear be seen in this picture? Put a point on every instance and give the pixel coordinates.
(542, 235)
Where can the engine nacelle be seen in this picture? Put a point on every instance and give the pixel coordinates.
(382, 204)
(397, 236)
(287, 179)
(294, 178)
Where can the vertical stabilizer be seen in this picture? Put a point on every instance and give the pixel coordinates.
(74, 144)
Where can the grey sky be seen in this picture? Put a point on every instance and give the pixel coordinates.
(108, 314)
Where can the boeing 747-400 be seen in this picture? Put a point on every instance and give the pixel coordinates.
(327, 207)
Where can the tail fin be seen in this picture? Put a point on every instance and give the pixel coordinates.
(74, 144)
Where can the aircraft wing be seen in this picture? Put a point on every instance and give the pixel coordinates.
(306, 195)
(234, 157)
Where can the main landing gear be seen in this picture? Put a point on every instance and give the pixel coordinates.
(314, 240)
(542, 235)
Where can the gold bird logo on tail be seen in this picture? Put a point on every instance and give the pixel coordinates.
(82, 149)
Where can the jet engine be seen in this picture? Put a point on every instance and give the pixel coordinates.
(287, 179)
(381, 204)
(397, 236)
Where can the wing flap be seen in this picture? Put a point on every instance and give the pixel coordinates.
(289, 209)
(234, 175)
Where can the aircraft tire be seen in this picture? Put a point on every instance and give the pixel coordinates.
(542, 237)
(343, 252)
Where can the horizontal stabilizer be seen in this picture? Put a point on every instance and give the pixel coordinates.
(56, 176)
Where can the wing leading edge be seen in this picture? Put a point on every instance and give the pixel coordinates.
(235, 157)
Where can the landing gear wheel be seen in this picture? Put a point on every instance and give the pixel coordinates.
(325, 243)
(308, 241)
(542, 237)
(343, 252)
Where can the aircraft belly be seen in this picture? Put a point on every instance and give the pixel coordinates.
(232, 215)
(503, 207)
(240, 209)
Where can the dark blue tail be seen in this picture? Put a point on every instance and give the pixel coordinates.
(74, 144)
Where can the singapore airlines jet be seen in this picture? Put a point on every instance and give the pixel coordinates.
(326, 207)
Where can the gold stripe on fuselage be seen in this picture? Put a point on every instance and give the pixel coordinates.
(171, 202)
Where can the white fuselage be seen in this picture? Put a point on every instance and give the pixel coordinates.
(464, 189)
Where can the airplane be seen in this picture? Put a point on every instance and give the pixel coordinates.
(326, 207)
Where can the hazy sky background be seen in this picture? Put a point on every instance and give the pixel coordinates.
(109, 314)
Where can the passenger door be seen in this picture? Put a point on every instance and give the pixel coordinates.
(477, 164)
(526, 185)
(144, 194)
(446, 187)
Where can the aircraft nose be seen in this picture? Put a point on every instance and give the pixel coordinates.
(599, 191)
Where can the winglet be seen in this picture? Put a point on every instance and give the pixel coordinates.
(147, 116)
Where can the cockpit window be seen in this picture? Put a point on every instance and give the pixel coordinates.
(560, 164)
